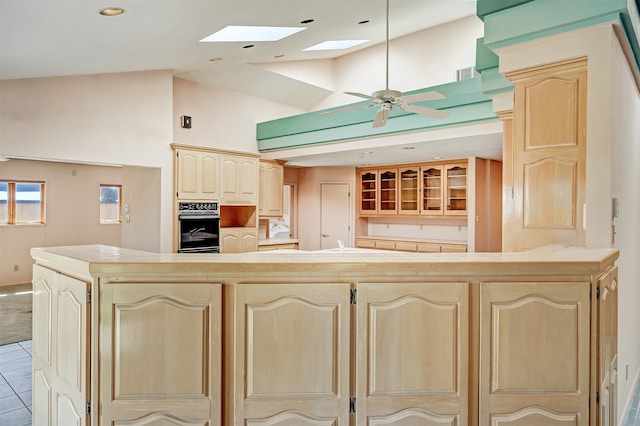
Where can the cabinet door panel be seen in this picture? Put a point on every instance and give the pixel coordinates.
(412, 347)
(162, 346)
(534, 359)
(296, 354)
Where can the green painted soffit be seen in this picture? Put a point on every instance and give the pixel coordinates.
(487, 7)
(517, 23)
(465, 103)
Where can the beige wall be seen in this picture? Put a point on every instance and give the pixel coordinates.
(309, 201)
(72, 213)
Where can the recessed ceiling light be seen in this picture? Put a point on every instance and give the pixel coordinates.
(307, 21)
(279, 56)
(216, 59)
(251, 33)
(437, 157)
(248, 46)
(367, 152)
(111, 11)
(336, 45)
(366, 21)
(408, 147)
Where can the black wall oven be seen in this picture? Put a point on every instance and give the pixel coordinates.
(199, 224)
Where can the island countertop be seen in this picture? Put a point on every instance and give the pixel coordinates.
(101, 259)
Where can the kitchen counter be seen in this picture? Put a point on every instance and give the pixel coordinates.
(151, 337)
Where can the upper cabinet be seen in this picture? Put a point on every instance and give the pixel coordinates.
(239, 181)
(271, 181)
(432, 189)
(197, 175)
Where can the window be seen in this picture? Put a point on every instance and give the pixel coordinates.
(110, 204)
(21, 203)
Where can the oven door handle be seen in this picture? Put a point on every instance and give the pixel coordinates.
(198, 216)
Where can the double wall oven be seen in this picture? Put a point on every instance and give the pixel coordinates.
(199, 227)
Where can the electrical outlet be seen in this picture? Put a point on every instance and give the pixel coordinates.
(387, 226)
(15, 268)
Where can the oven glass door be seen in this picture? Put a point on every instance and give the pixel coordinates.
(199, 234)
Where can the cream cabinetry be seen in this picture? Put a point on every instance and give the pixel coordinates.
(60, 393)
(291, 365)
(270, 201)
(431, 189)
(317, 339)
(160, 346)
(197, 174)
(239, 180)
(238, 240)
(396, 385)
(410, 245)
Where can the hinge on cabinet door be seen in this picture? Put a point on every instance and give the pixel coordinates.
(88, 408)
(353, 299)
(88, 297)
(597, 397)
(352, 405)
(598, 293)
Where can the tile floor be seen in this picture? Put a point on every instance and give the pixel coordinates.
(15, 388)
(15, 384)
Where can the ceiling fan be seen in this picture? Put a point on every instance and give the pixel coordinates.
(386, 99)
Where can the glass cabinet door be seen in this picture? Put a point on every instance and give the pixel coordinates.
(456, 182)
(432, 190)
(408, 190)
(368, 192)
(388, 189)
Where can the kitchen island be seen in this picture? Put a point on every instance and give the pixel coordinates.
(124, 337)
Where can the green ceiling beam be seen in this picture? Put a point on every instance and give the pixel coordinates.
(465, 103)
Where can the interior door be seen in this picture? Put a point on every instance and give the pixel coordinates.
(335, 209)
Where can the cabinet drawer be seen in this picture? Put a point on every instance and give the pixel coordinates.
(366, 244)
(386, 245)
(405, 246)
(428, 248)
(453, 248)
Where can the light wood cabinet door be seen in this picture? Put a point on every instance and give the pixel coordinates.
(160, 356)
(534, 353)
(412, 354)
(455, 189)
(388, 192)
(549, 152)
(270, 200)
(432, 183)
(368, 192)
(409, 190)
(238, 240)
(60, 349)
(197, 175)
(607, 367)
(239, 181)
(292, 361)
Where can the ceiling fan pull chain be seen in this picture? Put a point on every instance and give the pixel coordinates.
(387, 49)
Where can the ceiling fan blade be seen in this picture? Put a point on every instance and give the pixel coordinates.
(361, 95)
(429, 112)
(381, 117)
(348, 109)
(420, 97)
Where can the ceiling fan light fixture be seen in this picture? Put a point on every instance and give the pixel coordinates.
(111, 11)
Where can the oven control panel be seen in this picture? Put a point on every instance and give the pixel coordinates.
(199, 208)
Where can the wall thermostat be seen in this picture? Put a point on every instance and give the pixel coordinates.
(185, 122)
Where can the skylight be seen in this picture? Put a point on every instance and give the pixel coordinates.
(336, 44)
(251, 33)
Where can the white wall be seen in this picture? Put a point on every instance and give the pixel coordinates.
(72, 203)
(625, 155)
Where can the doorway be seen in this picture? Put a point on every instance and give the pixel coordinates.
(335, 199)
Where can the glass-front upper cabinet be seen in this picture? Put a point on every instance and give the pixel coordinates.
(368, 192)
(432, 190)
(388, 191)
(456, 189)
(409, 190)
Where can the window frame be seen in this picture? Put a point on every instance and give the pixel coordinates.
(12, 202)
(110, 221)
